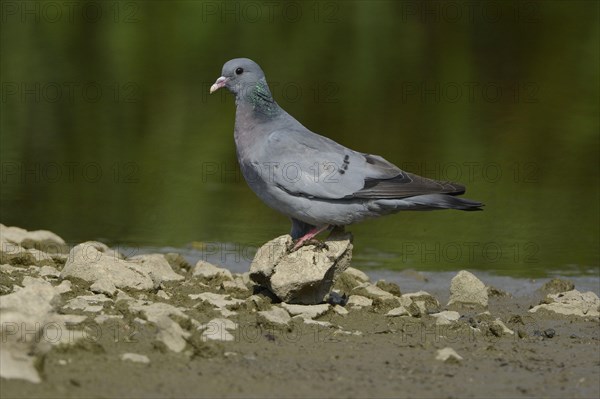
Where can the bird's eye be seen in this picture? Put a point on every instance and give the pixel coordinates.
(239, 71)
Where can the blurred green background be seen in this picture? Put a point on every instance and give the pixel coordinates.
(108, 132)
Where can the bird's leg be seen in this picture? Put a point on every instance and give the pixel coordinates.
(308, 236)
(335, 230)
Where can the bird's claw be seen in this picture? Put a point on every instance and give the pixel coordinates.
(313, 241)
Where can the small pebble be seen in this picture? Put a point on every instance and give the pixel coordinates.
(549, 333)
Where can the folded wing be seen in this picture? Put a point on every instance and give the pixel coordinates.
(313, 166)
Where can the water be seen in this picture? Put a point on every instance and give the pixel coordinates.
(108, 132)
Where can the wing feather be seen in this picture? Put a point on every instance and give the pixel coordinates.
(314, 166)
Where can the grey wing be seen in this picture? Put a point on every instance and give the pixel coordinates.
(404, 185)
(309, 165)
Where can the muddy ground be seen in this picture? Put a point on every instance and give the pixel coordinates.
(362, 354)
(548, 356)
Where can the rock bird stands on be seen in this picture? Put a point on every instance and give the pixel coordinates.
(315, 181)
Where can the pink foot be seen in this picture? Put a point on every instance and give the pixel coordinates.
(308, 236)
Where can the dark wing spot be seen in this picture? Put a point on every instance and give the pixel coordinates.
(342, 171)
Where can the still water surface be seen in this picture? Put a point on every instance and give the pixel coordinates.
(108, 132)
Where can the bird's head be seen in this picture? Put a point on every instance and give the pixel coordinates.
(239, 75)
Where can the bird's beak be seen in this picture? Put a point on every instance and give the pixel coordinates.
(218, 84)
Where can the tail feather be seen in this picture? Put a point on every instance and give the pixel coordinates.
(444, 201)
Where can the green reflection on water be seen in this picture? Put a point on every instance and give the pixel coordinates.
(108, 132)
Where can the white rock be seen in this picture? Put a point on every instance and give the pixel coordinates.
(399, 311)
(342, 311)
(162, 294)
(304, 276)
(102, 318)
(49, 271)
(357, 274)
(104, 249)
(446, 317)
(359, 301)
(465, 288)
(319, 323)
(29, 239)
(217, 300)
(425, 302)
(371, 291)
(306, 311)
(104, 286)
(448, 355)
(8, 269)
(136, 358)
(33, 269)
(275, 315)
(157, 267)
(15, 364)
(571, 303)
(28, 280)
(505, 330)
(207, 270)
(87, 263)
(122, 296)
(226, 312)
(87, 303)
(405, 300)
(25, 315)
(216, 330)
(64, 286)
(169, 332)
(418, 295)
(235, 284)
(344, 332)
(267, 257)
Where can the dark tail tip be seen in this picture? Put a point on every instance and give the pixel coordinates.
(462, 204)
(468, 205)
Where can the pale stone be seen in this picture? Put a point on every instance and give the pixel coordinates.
(306, 311)
(208, 270)
(87, 263)
(275, 315)
(305, 276)
(446, 317)
(157, 266)
(467, 289)
(399, 311)
(571, 303)
(448, 355)
(216, 330)
(136, 358)
(358, 301)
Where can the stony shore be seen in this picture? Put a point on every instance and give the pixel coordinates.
(84, 321)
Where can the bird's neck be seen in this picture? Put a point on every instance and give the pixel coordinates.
(258, 101)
